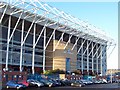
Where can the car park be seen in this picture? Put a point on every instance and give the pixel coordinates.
(44, 81)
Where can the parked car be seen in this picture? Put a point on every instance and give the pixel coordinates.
(81, 83)
(30, 81)
(96, 82)
(118, 81)
(89, 82)
(77, 83)
(33, 82)
(24, 82)
(14, 84)
(84, 81)
(67, 82)
(47, 83)
(103, 81)
(57, 83)
(62, 82)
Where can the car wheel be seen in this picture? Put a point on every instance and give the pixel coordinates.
(18, 88)
(50, 85)
(80, 85)
(7, 87)
(38, 86)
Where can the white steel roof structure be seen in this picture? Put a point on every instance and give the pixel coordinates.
(42, 12)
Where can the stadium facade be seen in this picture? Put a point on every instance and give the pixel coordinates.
(35, 36)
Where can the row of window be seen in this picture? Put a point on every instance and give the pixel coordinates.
(25, 62)
(25, 51)
(17, 36)
(29, 39)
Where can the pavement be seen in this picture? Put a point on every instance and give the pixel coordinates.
(110, 86)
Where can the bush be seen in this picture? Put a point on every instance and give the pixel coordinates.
(56, 71)
(77, 72)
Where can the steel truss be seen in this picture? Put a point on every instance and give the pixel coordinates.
(43, 14)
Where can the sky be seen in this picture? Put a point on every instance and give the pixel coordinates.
(103, 15)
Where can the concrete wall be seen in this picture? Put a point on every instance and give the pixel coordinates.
(57, 58)
(60, 55)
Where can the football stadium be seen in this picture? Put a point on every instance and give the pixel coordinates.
(35, 36)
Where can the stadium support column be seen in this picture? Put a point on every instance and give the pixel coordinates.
(82, 57)
(21, 51)
(44, 43)
(92, 59)
(69, 40)
(95, 55)
(33, 53)
(97, 58)
(101, 59)
(82, 53)
(53, 47)
(87, 57)
(54, 39)
(104, 53)
(62, 36)
(9, 24)
(11, 59)
(59, 41)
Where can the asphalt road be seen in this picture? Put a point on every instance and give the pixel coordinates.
(113, 86)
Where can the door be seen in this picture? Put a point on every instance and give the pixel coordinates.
(67, 64)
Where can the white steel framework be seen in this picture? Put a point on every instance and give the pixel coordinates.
(43, 14)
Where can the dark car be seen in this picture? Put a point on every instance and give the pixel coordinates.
(14, 84)
(62, 82)
(67, 82)
(47, 83)
(77, 83)
(81, 83)
(55, 82)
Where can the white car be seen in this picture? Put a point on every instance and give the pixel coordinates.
(39, 84)
(104, 80)
(84, 81)
(35, 83)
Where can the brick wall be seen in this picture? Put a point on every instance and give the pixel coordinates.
(14, 75)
